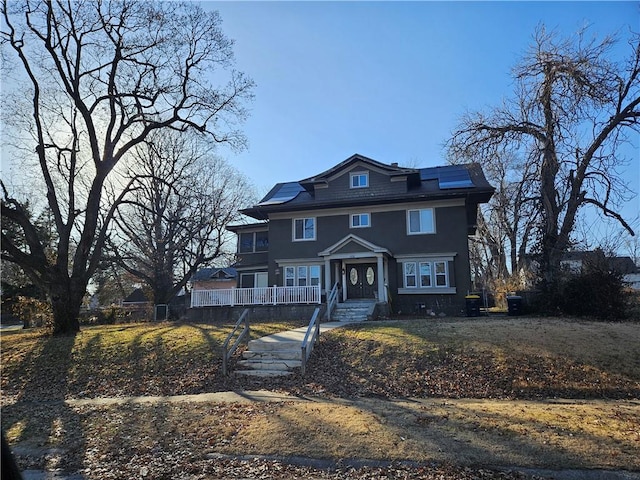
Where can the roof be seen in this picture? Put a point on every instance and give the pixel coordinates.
(137, 296)
(211, 273)
(622, 265)
(423, 183)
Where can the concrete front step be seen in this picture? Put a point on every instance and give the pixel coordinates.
(272, 354)
(352, 311)
(268, 344)
(269, 364)
(262, 373)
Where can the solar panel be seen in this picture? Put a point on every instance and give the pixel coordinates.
(286, 193)
(455, 177)
(428, 174)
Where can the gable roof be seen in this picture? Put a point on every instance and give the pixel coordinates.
(391, 170)
(353, 239)
(210, 273)
(137, 296)
(431, 183)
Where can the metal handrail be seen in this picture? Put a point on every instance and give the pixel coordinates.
(310, 338)
(332, 300)
(226, 351)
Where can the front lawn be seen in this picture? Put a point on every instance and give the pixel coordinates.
(456, 396)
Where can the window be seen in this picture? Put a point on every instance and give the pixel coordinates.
(314, 275)
(302, 276)
(246, 243)
(262, 241)
(359, 179)
(410, 275)
(289, 276)
(304, 229)
(254, 280)
(247, 280)
(426, 274)
(360, 220)
(250, 242)
(441, 274)
(420, 221)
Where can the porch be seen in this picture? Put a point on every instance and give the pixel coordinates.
(231, 297)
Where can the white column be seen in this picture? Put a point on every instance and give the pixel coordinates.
(380, 279)
(343, 268)
(327, 275)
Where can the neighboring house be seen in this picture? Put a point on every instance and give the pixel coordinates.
(214, 278)
(137, 297)
(384, 232)
(575, 261)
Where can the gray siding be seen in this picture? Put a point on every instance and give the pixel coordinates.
(388, 230)
(380, 186)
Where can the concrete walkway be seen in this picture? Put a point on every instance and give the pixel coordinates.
(297, 334)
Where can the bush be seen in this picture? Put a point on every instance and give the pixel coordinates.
(596, 291)
(32, 312)
(599, 294)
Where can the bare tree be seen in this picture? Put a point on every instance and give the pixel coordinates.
(175, 218)
(100, 77)
(574, 107)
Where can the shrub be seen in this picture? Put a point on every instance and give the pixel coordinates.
(598, 294)
(32, 312)
(596, 291)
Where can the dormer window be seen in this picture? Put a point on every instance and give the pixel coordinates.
(359, 179)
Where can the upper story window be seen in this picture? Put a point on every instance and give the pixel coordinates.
(359, 179)
(360, 220)
(304, 229)
(420, 221)
(250, 242)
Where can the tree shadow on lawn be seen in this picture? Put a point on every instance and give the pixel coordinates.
(350, 367)
(43, 431)
(176, 359)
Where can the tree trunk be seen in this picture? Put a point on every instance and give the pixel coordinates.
(66, 300)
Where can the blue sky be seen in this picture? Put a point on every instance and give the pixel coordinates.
(388, 80)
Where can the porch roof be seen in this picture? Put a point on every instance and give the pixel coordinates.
(349, 239)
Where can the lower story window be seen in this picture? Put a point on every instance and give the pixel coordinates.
(254, 280)
(425, 274)
(301, 275)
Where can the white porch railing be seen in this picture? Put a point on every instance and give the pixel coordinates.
(255, 296)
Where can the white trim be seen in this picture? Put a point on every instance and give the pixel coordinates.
(287, 262)
(252, 268)
(427, 291)
(416, 257)
(392, 207)
(370, 247)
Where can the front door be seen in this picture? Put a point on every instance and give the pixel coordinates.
(362, 281)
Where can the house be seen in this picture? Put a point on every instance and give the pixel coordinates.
(137, 298)
(575, 261)
(209, 278)
(382, 232)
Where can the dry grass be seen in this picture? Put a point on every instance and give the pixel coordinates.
(117, 441)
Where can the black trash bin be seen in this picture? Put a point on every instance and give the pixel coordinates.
(473, 305)
(514, 305)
